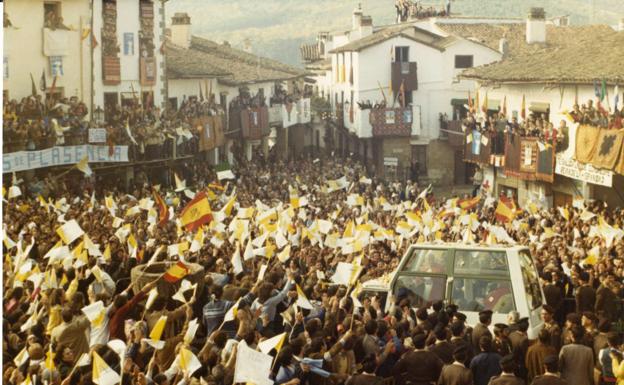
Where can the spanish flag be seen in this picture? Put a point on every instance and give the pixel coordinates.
(467, 204)
(163, 213)
(197, 212)
(176, 272)
(505, 211)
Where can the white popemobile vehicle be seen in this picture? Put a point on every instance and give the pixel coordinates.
(474, 278)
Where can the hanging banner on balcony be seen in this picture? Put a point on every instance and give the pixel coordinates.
(289, 114)
(583, 172)
(478, 147)
(528, 158)
(303, 106)
(62, 155)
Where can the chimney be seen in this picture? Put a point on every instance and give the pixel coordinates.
(621, 25)
(536, 26)
(366, 26)
(503, 47)
(357, 18)
(181, 30)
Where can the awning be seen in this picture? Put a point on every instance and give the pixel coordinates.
(459, 102)
(539, 107)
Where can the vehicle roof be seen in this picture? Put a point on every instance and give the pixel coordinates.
(462, 246)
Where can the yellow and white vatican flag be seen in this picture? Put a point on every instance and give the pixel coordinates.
(284, 255)
(184, 287)
(21, 357)
(70, 231)
(83, 166)
(27, 380)
(151, 297)
(102, 373)
(237, 262)
(230, 315)
(248, 254)
(180, 184)
(188, 362)
(189, 336)
(14, 192)
(155, 335)
(272, 343)
(95, 313)
(133, 246)
(302, 300)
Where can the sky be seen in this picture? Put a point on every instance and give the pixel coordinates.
(276, 28)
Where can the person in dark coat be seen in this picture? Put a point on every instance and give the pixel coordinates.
(548, 316)
(485, 365)
(442, 348)
(554, 297)
(458, 340)
(502, 345)
(481, 328)
(536, 354)
(418, 367)
(606, 300)
(551, 373)
(577, 360)
(367, 376)
(585, 294)
(456, 373)
(507, 377)
(519, 346)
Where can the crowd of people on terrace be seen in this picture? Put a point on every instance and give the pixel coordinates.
(340, 334)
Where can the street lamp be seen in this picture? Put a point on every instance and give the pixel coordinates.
(99, 116)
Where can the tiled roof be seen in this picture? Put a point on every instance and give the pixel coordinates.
(236, 66)
(570, 54)
(405, 30)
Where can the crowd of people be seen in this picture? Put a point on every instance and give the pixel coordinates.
(597, 115)
(498, 125)
(335, 334)
(35, 123)
(408, 9)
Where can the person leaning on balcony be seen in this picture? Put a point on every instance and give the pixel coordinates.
(477, 180)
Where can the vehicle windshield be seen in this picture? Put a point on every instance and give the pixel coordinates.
(420, 290)
(481, 281)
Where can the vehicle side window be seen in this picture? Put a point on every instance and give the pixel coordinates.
(476, 294)
(481, 263)
(531, 281)
(420, 290)
(427, 261)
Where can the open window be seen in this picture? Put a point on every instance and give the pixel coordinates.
(52, 16)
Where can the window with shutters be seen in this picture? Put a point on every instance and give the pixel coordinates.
(464, 61)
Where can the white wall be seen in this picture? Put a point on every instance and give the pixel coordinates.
(23, 45)
(179, 88)
(437, 79)
(128, 21)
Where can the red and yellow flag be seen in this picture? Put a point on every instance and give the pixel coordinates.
(176, 272)
(197, 212)
(505, 211)
(163, 214)
(469, 203)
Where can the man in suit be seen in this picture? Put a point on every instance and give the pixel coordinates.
(442, 348)
(481, 328)
(419, 366)
(536, 354)
(551, 373)
(458, 330)
(507, 377)
(585, 294)
(367, 377)
(553, 294)
(519, 346)
(548, 316)
(577, 360)
(72, 331)
(606, 299)
(485, 365)
(456, 373)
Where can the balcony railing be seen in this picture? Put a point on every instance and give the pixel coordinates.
(253, 123)
(392, 121)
